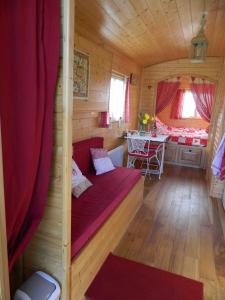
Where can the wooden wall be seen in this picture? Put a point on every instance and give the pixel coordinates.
(218, 128)
(49, 249)
(164, 116)
(103, 60)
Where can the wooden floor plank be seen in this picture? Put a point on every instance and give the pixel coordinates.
(180, 229)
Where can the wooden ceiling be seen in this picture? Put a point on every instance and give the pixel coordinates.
(152, 31)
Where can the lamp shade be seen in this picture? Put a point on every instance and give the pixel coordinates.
(104, 119)
(199, 44)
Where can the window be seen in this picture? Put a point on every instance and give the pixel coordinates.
(117, 97)
(189, 107)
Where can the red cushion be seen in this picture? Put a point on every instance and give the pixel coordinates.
(146, 155)
(96, 204)
(82, 155)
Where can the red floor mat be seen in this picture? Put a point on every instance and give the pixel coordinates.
(122, 279)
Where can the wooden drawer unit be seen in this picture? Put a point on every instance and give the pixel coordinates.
(170, 153)
(190, 156)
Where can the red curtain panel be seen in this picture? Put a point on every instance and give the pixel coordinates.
(104, 119)
(203, 94)
(177, 106)
(166, 91)
(29, 55)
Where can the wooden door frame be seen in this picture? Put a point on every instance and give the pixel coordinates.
(4, 272)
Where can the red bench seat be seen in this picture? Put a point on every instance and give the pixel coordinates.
(96, 204)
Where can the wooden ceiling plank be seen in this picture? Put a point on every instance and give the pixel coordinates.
(161, 29)
(211, 8)
(184, 12)
(98, 17)
(171, 12)
(151, 31)
(142, 10)
(140, 6)
(98, 20)
(135, 28)
(129, 29)
(114, 11)
(196, 14)
(112, 39)
(217, 38)
(125, 6)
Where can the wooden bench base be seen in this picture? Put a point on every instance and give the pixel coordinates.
(189, 156)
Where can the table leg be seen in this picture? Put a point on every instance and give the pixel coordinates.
(162, 162)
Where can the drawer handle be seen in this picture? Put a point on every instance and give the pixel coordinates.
(190, 150)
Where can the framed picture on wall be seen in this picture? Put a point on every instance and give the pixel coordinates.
(80, 75)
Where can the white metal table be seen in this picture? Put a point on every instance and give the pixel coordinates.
(158, 139)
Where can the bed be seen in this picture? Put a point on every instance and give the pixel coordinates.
(183, 136)
(185, 146)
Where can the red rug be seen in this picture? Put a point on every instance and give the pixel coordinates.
(122, 279)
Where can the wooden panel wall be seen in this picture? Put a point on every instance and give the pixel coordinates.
(85, 117)
(49, 249)
(216, 185)
(4, 274)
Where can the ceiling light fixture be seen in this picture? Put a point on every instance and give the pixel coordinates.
(199, 44)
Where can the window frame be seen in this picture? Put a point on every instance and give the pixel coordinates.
(123, 78)
(196, 115)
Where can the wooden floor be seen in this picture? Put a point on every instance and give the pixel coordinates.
(180, 229)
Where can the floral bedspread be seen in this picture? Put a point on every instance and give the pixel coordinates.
(183, 136)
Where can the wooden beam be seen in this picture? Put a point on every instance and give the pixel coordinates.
(4, 273)
(67, 102)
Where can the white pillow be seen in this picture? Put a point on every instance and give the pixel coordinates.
(80, 183)
(101, 160)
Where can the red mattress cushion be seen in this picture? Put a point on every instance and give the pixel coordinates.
(97, 203)
(82, 154)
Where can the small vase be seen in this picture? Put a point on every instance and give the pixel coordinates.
(142, 130)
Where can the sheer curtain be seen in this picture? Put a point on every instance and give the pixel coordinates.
(177, 106)
(29, 58)
(203, 94)
(166, 92)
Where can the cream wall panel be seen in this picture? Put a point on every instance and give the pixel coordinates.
(85, 117)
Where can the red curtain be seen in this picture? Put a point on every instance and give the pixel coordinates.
(127, 102)
(177, 106)
(203, 95)
(29, 54)
(166, 91)
(104, 119)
